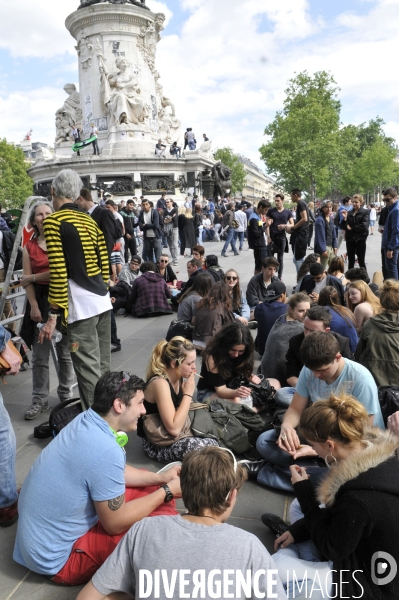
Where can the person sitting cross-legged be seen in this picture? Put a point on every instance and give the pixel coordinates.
(211, 480)
(317, 280)
(150, 294)
(80, 498)
(325, 372)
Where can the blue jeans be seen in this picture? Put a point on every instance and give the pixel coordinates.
(239, 235)
(276, 473)
(391, 264)
(8, 484)
(284, 396)
(230, 240)
(191, 145)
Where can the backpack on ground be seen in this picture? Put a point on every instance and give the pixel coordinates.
(388, 395)
(60, 416)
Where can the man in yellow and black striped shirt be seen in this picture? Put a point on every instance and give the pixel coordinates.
(79, 274)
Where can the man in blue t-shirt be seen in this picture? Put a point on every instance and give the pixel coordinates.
(80, 497)
(325, 372)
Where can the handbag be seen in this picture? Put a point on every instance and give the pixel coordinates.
(235, 224)
(157, 434)
(181, 328)
(4, 366)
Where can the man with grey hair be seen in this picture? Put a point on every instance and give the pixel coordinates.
(79, 275)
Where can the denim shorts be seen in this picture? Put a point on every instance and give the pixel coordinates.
(203, 395)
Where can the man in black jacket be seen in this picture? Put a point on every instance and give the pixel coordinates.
(149, 225)
(317, 319)
(129, 219)
(101, 216)
(256, 234)
(317, 280)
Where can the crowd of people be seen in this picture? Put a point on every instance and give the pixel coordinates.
(310, 413)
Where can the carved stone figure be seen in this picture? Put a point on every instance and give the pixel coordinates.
(149, 36)
(182, 183)
(206, 149)
(84, 50)
(72, 107)
(169, 126)
(222, 176)
(120, 92)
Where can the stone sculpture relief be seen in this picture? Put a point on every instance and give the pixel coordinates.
(84, 50)
(68, 115)
(149, 36)
(206, 149)
(222, 177)
(120, 92)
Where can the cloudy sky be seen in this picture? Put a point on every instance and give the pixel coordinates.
(225, 63)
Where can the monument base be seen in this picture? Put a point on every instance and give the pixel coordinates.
(126, 175)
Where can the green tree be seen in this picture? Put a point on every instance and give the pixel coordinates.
(238, 174)
(15, 183)
(303, 138)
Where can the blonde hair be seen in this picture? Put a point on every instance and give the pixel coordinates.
(366, 296)
(340, 417)
(358, 197)
(164, 353)
(390, 295)
(188, 213)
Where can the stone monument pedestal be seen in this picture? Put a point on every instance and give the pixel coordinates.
(121, 100)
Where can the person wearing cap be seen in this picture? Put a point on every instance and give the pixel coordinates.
(317, 280)
(131, 270)
(269, 311)
(390, 235)
(94, 131)
(325, 239)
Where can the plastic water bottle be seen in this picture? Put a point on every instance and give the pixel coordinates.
(57, 335)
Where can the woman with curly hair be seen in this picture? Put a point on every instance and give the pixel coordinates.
(228, 355)
(169, 393)
(211, 313)
(362, 302)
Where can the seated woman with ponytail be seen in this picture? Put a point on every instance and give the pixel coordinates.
(169, 392)
(354, 512)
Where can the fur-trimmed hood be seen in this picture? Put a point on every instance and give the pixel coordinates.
(353, 471)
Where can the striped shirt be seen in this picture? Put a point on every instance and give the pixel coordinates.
(76, 250)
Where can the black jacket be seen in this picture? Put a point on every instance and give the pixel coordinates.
(255, 232)
(107, 223)
(8, 245)
(293, 363)
(359, 224)
(308, 285)
(153, 225)
(360, 518)
(256, 291)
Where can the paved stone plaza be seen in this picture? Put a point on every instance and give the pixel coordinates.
(138, 338)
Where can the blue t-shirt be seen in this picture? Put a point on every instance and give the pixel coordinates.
(354, 379)
(83, 463)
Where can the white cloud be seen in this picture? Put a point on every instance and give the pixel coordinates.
(225, 71)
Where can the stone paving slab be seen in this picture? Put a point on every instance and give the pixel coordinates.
(138, 338)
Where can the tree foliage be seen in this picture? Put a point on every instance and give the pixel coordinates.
(15, 183)
(303, 136)
(238, 174)
(307, 144)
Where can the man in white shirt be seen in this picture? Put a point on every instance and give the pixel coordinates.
(241, 217)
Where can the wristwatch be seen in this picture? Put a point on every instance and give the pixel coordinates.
(168, 494)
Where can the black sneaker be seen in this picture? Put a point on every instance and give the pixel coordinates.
(253, 467)
(252, 324)
(275, 524)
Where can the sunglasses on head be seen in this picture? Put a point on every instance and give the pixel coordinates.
(231, 278)
(125, 379)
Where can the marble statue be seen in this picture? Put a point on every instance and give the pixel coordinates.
(206, 149)
(222, 176)
(84, 3)
(120, 92)
(84, 50)
(68, 115)
(149, 36)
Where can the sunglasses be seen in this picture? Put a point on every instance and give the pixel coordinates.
(163, 261)
(125, 379)
(230, 278)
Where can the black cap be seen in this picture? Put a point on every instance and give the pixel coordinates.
(274, 291)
